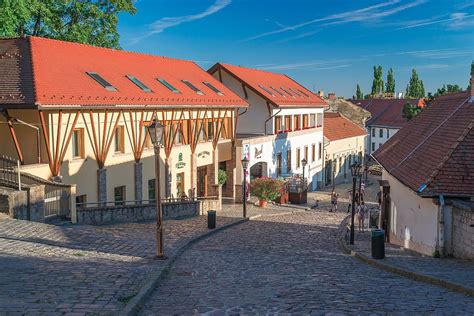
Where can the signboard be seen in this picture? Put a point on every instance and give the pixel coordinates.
(204, 154)
(180, 163)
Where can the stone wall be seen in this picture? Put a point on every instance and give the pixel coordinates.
(463, 232)
(133, 213)
(25, 205)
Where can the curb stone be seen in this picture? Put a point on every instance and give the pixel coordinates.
(404, 272)
(134, 306)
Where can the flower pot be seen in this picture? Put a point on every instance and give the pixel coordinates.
(262, 203)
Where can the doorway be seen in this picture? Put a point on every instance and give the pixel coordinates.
(258, 170)
(202, 181)
(180, 185)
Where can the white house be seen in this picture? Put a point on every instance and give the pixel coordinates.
(428, 179)
(283, 124)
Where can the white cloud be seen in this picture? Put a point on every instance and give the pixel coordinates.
(164, 23)
(458, 19)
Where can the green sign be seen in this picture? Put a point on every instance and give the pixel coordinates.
(180, 163)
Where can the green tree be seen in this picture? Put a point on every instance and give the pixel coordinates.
(390, 85)
(410, 111)
(447, 89)
(377, 83)
(85, 21)
(359, 95)
(415, 88)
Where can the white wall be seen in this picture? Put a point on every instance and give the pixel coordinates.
(377, 140)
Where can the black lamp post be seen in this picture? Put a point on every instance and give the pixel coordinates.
(355, 171)
(304, 162)
(156, 132)
(245, 164)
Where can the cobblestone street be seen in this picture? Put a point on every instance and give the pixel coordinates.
(290, 264)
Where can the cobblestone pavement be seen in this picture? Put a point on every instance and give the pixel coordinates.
(290, 264)
(449, 269)
(61, 269)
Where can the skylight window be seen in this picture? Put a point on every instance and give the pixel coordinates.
(303, 93)
(104, 83)
(277, 91)
(192, 87)
(266, 90)
(210, 86)
(140, 84)
(295, 92)
(168, 85)
(288, 92)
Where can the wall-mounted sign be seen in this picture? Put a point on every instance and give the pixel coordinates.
(204, 154)
(180, 163)
(258, 152)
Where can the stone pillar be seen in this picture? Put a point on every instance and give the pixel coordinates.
(218, 190)
(72, 204)
(231, 180)
(138, 182)
(36, 203)
(102, 186)
(212, 172)
(193, 174)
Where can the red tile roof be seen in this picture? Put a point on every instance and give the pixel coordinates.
(337, 127)
(387, 112)
(289, 93)
(53, 73)
(434, 153)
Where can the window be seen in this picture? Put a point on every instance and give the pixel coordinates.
(210, 130)
(380, 132)
(306, 153)
(119, 195)
(298, 158)
(266, 90)
(179, 139)
(78, 143)
(287, 92)
(104, 83)
(373, 146)
(319, 120)
(168, 85)
(180, 184)
(373, 132)
(193, 87)
(151, 190)
(320, 150)
(305, 121)
(119, 140)
(147, 142)
(202, 133)
(277, 91)
(380, 145)
(296, 123)
(288, 122)
(210, 86)
(388, 133)
(288, 161)
(140, 84)
(277, 124)
(81, 200)
(312, 120)
(313, 152)
(278, 169)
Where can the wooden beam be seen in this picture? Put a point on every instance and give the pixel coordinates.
(68, 140)
(109, 141)
(15, 140)
(46, 139)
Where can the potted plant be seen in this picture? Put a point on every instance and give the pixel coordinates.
(221, 177)
(265, 189)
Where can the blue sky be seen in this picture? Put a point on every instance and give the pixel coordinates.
(327, 45)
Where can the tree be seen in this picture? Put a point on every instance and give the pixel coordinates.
(415, 88)
(91, 22)
(390, 85)
(359, 95)
(447, 89)
(377, 83)
(410, 111)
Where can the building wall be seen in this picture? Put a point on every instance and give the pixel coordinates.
(377, 140)
(413, 219)
(463, 233)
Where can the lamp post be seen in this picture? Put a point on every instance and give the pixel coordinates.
(304, 162)
(156, 132)
(355, 171)
(245, 164)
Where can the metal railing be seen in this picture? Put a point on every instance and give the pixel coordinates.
(136, 202)
(10, 172)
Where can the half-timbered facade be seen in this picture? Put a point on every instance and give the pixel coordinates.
(77, 114)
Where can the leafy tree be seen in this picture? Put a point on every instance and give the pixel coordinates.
(377, 83)
(390, 85)
(359, 95)
(410, 111)
(85, 21)
(415, 88)
(447, 89)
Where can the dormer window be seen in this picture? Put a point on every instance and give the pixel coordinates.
(140, 84)
(210, 86)
(168, 85)
(192, 87)
(104, 83)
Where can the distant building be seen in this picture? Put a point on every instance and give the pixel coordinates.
(344, 144)
(387, 119)
(282, 126)
(428, 179)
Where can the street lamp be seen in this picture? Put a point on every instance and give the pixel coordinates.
(245, 164)
(355, 171)
(304, 162)
(155, 131)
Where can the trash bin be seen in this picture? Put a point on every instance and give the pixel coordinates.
(378, 243)
(211, 219)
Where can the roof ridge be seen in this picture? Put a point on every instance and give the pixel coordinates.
(252, 68)
(428, 136)
(450, 153)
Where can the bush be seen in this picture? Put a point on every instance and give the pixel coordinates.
(221, 177)
(266, 189)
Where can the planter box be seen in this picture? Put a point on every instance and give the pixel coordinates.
(298, 197)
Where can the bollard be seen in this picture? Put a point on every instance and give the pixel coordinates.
(378, 243)
(211, 219)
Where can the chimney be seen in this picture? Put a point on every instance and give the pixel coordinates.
(331, 96)
(321, 93)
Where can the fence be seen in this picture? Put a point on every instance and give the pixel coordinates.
(10, 173)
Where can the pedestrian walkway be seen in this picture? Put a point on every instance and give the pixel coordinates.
(452, 270)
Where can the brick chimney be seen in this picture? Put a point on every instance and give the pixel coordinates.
(331, 96)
